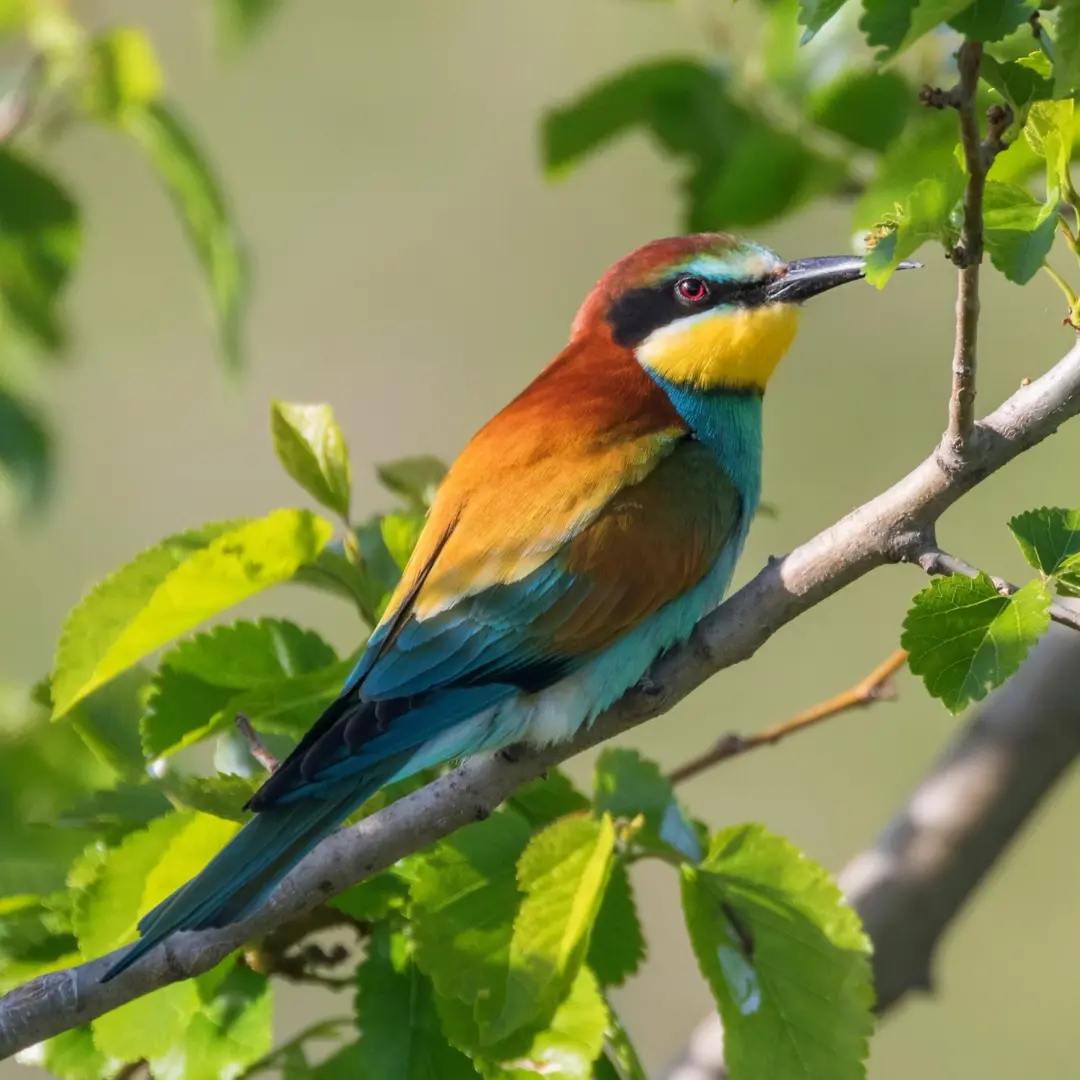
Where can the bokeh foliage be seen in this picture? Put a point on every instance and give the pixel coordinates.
(492, 953)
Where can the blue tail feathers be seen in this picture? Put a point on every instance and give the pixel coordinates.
(246, 870)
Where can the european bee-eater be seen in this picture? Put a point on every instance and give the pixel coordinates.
(583, 531)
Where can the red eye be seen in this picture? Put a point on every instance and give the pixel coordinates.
(692, 289)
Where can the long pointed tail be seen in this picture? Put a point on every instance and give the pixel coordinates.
(245, 871)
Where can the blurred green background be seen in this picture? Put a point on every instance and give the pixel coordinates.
(415, 269)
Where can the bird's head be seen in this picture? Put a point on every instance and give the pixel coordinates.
(709, 311)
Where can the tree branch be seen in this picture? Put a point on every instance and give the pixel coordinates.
(959, 822)
(893, 527)
(967, 255)
(877, 686)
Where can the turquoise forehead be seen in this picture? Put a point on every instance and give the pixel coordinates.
(747, 261)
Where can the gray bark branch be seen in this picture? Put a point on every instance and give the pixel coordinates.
(893, 527)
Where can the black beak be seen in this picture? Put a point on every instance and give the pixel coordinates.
(805, 278)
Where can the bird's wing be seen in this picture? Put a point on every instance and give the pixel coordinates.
(544, 546)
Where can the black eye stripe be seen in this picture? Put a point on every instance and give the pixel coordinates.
(638, 312)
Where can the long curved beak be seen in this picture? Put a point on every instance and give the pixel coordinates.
(805, 278)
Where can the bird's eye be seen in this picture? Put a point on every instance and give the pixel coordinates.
(692, 289)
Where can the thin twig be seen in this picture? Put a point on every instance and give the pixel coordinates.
(935, 561)
(877, 686)
(967, 255)
(257, 747)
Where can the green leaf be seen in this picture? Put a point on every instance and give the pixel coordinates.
(201, 206)
(26, 455)
(925, 216)
(40, 242)
(1050, 540)
(400, 533)
(887, 23)
(563, 873)
(617, 945)
(1049, 132)
(626, 784)
(238, 21)
(223, 796)
(991, 20)
(374, 899)
(866, 107)
(73, 1056)
(965, 637)
(1018, 229)
(814, 14)
(551, 797)
(248, 667)
(786, 959)
(763, 175)
(1067, 48)
(620, 1049)
(567, 1048)
(1017, 82)
(310, 446)
(171, 588)
(400, 1036)
(464, 899)
(335, 573)
(414, 479)
(123, 73)
(232, 1028)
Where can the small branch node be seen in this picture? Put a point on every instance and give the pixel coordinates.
(933, 97)
(257, 747)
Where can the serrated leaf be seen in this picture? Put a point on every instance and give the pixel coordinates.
(563, 873)
(568, 1047)
(926, 215)
(1017, 82)
(617, 944)
(198, 200)
(170, 589)
(626, 785)
(1050, 540)
(786, 959)
(1050, 132)
(231, 1028)
(122, 73)
(548, 798)
(868, 108)
(26, 451)
(400, 533)
(248, 667)
(1067, 48)
(886, 23)
(335, 573)
(148, 1027)
(400, 1036)
(991, 20)
(374, 899)
(1018, 230)
(464, 898)
(221, 796)
(619, 1048)
(40, 243)
(310, 446)
(414, 479)
(965, 638)
(73, 1056)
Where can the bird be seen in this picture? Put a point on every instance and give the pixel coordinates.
(581, 533)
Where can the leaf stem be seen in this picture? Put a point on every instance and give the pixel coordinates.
(876, 686)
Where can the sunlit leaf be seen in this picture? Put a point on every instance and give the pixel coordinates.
(966, 638)
(786, 959)
(1050, 540)
(1018, 230)
(171, 588)
(311, 447)
(123, 73)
